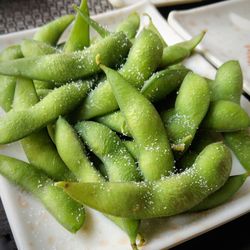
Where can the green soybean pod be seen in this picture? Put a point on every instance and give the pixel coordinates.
(191, 106)
(79, 35)
(145, 126)
(163, 82)
(108, 147)
(101, 30)
(17, 124)
(158, 86)
(36, 48)
(115, 121)
(41, 93)
(143, 59)
(40, 48)
(166, 197)
(228, 86)
(38, 147)
(66, 211)
(225, 193)
(130, 25)
(51, 32)
(152, 27)
(8, 83)
(132, 148)
(25, 94)
(232, 185)
(11, 52)
(178, 52)
(226, 116)
(72, 152)
(228, 82)
(239, 142)
(64, 67)
(39, 85)
(41, 152)
(187, 105)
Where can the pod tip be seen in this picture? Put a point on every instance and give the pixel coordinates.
(98, 59)
(62, 184)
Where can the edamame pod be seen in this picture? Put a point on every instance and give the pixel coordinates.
(228, 86)
(165, 197)
(130, 25)
(143, 59)
(163, 82)
(41, 153)
(115, 121)
(25, 94)
(158, 86)
(72, 152)
(108, 147)
(38, 147)
(43, 85)
(226, 192)
(18, 124)
(36, 48)
(66, 211)
(51, 32)
(66, 67)
(152, 27)
(239, 142)
(178, 52)
(191, 106)
(228, 82)
(132, 148)
(11, 52)
(145, 125)
(79, 35)
(101, 30)
(42, 47)
(225, 116)
(8, 83)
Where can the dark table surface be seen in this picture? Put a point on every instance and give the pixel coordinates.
(18, 15)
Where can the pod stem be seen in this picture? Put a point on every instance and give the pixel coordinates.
(134, 246)
(141, 240)
(103, 32)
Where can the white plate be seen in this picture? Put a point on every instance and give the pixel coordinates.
(228, 32)
(158, 3)
(35, 229)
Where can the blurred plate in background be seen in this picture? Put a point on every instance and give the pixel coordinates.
(158, 3)
(228, 32)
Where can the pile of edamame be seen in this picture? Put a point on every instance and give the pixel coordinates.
(119, 124)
